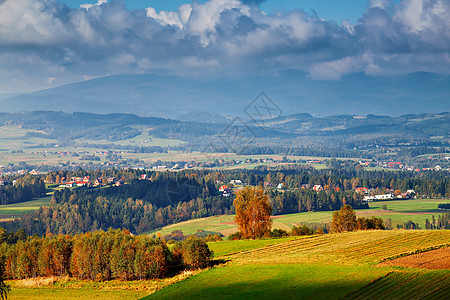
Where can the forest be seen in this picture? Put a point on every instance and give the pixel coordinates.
(169, 197)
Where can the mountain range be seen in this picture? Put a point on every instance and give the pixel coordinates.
(217, 98)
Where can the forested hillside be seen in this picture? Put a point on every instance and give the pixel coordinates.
(164, 198)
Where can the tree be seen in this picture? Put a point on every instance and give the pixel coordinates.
(344, 220)
(253, 212)
(4, 288)
(195, 252)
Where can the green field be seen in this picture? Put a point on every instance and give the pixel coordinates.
(399, 211)
(7, 212)
(69, 288)
(319, 267)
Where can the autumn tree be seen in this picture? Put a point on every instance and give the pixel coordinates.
(4, 289)
(344, 220)
(253, 212)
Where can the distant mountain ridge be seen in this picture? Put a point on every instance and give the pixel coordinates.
(171, 96)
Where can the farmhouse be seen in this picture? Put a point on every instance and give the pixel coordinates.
(362, 190)
(318, 188)
(369, 198)
(223, 188)
(235, 181)
(384, 196)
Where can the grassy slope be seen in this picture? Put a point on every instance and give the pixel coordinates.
(319, 267)
(398, 210)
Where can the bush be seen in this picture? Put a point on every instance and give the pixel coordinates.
(235, 236)
(278, 233)
(195, 253)
(304, 230)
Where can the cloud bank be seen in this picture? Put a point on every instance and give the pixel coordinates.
(45, 43)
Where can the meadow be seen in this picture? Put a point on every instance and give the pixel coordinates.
(10, 211)
(332, 266)
(321, 267)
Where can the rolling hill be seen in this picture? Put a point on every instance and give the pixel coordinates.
(321, 267)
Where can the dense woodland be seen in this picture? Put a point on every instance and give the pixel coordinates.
(168, 197)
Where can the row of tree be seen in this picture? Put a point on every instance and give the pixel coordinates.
(345, 220)
(100, 256)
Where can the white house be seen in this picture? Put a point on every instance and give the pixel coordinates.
(384, 196)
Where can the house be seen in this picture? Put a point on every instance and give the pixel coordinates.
(82, 183)
(362, 190)
(235, 181)
(281, 186)
(227, 193)
(143, 176)
(384, 197)
(68, 184)
(318, 188)
(223, 188)
(305, 187)
(119, 183)
(369, 198)
(34, 172)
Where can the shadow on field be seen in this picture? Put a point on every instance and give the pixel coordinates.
(218, 262)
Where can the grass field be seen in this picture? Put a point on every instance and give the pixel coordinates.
(68, 288)
(7, 212)
(399, 211)
(319, 267)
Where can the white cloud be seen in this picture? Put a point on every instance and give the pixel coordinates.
(87, 6)
(42, 39)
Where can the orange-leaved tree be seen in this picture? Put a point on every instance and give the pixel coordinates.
(253, 212)
(344, 220)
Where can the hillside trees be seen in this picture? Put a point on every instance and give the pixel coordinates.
(345, 220)
(99, 255)
(253, 212)
(4, 288)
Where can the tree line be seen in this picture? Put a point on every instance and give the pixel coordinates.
(170, 197)
(100, 255)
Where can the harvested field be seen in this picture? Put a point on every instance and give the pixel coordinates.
(435, 260)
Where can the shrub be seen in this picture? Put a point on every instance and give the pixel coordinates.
(195, 253)
(304, 230)
(278, 233)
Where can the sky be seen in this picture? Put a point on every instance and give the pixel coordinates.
(49, 43)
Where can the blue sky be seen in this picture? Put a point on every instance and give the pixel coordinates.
(335, 10)
(45, 44)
